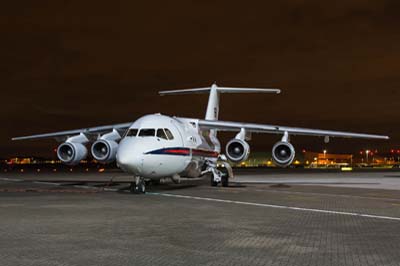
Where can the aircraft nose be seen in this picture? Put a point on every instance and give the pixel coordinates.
(129, 158)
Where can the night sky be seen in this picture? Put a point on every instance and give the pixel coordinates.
(72, 64)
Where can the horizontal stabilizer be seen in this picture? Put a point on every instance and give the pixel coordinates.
(185, 91)
(247, 90)
(220, 90)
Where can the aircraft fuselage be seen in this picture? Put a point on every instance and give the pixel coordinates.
(149, 151)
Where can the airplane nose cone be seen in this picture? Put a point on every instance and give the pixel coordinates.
(128, 158)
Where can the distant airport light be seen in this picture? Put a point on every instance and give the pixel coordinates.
(345, 169)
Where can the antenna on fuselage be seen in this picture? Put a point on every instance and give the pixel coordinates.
(212, 110)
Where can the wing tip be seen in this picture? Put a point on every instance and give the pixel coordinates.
(384, 137)
(19, 138)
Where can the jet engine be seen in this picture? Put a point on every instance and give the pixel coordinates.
(237, 150)
(283, 153)
(104, 151)
(71, 153)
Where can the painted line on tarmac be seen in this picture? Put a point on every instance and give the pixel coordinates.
(59, 184)
(10, 179)
(305, 183)
(46, 183)
(276, 206)
(315, 193)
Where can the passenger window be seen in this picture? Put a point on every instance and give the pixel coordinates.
(161, 133)
(147, 132)
(169, 134)
(132, 132)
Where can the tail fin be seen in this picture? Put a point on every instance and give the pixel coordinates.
(213, 99)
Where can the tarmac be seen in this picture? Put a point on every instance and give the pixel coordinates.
(265, 217)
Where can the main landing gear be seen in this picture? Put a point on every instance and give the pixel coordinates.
(219, 176)
(139, 186)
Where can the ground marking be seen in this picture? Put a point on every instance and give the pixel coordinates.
(58, 184)
(11, 179)
(277, 206)
(317, 194)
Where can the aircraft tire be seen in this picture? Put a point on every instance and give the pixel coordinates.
(139, 188)
(225, 181)
(224, 177)
(213, 183)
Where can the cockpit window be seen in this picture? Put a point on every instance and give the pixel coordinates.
(169, 134)
(161, 133)
(147, 132)
(132, 132)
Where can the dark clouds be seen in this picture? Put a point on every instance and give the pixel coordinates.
(69, 64)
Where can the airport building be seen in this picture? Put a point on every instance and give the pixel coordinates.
(324, 159)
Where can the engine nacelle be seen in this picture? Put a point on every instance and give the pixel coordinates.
(71, 153)
(237, 150)
(104, 151)
(283, 153)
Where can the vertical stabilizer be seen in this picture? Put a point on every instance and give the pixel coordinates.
(213, 104)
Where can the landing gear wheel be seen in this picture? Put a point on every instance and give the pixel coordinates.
(224, 177)
(213, 183)
(225, 180)
(139, 187)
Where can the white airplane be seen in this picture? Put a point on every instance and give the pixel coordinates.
(157, 146)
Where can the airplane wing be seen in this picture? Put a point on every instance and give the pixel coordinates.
(262, 128)
(90, 131)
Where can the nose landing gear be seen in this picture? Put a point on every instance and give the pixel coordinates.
(139, 186)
